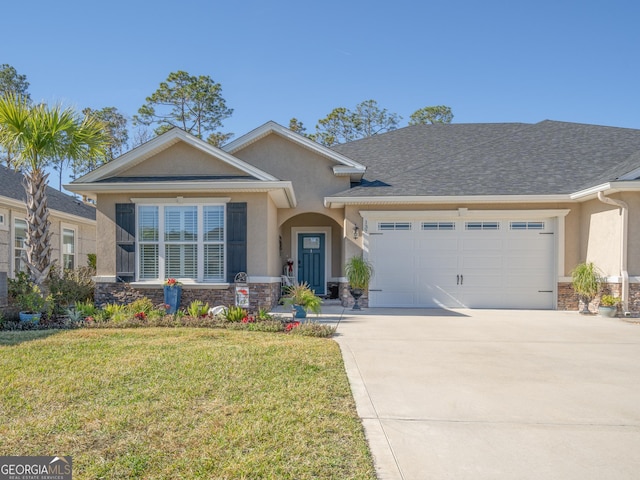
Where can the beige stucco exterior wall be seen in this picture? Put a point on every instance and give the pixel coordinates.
(311, 174)
(262, 238)
(601, 234)
(85, 232)
(182, 159)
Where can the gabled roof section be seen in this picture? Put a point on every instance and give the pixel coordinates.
(11, 188)
(160, 143)
(344, 165)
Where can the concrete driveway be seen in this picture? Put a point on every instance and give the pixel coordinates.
(496, 394)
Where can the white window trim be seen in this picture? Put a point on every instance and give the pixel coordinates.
(74, 229)
(12, 249)
(165, 202)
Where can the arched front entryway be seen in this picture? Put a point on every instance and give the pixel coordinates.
(311, 251)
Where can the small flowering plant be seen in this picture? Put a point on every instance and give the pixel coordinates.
(172, 282)
(291, 326)
(140, 316)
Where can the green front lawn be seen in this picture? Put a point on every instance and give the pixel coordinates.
(181, 403)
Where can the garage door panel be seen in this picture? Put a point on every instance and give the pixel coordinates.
(391, 299)
(534, 263)
(489, 262)
(434, 264)
(481, 244)
(437, 296)
(502, 268)
(437, 244)
(534, 283)
(526, 298)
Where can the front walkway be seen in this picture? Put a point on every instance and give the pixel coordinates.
(495, 394)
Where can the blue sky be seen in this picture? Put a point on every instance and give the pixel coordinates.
(490, 61)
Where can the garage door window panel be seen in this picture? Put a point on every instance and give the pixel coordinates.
(391, 226)
(482, 225)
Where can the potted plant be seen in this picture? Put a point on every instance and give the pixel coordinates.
(302, 299)
(31, 304)
(586, 283)
(172, 293)
(359, 272)
(608, 306)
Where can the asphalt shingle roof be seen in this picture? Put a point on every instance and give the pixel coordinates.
(11, 187)
(492, 159)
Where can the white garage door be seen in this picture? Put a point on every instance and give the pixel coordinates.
(462, 263)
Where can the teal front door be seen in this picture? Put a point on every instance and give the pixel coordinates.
(311, 261)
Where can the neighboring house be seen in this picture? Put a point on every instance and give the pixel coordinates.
(461, 215)
(73, 226)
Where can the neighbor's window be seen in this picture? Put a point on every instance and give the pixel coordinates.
(68, 248)
(19, 247)
(181, 241)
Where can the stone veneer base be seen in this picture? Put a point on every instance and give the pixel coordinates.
(267, 295)
(261, 295)
(568, 300)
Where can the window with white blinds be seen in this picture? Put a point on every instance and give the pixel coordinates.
(186, 242)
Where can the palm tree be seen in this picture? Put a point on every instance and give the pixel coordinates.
(38, 134)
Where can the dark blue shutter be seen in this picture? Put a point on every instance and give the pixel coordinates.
(236, 239)
(125, 242)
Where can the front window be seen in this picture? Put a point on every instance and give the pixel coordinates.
(19, 246)
(181, 241)
(68, 248)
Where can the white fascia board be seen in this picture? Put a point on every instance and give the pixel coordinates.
(463, 213)
(344, 170)
(591, 191)
(287, 200)
(273, 127)
(340, 202)
(162, 142)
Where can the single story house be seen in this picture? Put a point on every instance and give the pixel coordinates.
(73, 226)
(459, 215)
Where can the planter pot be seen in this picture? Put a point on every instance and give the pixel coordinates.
(172, 298)
(356, 293)
(30, 317)
(606, 311)
(299, 311)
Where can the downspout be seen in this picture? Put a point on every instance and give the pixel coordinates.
(624, 211)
